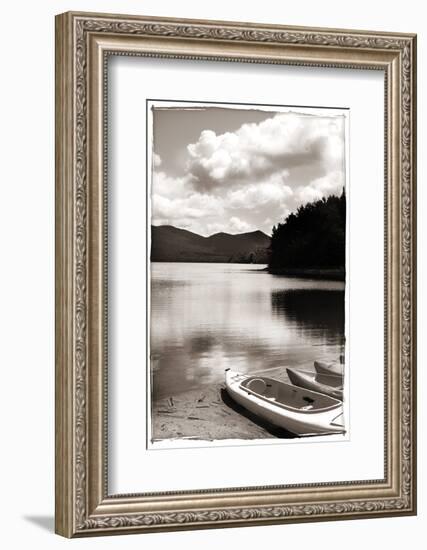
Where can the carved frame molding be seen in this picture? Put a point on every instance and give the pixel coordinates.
(83, 41)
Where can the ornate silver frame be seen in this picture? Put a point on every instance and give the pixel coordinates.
(83, 506)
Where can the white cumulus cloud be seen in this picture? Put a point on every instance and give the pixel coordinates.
(157, 161)
(254, 177)
(283, 142)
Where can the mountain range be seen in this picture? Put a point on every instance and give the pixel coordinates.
(171, 244)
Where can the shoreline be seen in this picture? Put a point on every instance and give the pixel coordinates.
(310, 273)
(212, 412)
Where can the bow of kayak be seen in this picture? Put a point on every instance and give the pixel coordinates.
(299, 410)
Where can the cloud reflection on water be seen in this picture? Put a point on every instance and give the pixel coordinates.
(214, 316)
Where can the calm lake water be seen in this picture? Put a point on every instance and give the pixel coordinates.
(207, 317)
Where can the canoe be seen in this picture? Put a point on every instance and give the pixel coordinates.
(313, 382)
(328, 368)
(300, 411)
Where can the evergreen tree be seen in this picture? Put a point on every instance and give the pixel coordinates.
(313, 237)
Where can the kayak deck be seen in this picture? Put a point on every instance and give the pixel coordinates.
(327, 384)
(287, 396)
(300, 411)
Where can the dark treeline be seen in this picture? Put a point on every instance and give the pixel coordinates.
(311, 238)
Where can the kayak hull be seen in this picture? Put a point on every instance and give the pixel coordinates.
(328, 368)
(309, 382)
(298, 422)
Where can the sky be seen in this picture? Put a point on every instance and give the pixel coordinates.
(240, 170)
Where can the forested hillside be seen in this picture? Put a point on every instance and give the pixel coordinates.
(311, 238)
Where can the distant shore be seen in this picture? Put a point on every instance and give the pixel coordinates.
(311, 273)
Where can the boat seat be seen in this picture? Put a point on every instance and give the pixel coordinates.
(257, 385)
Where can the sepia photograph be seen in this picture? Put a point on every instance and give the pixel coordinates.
(235, 273)
(247, 275)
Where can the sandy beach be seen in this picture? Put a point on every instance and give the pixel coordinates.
(182, 416)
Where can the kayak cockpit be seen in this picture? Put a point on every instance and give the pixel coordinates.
(288, 396)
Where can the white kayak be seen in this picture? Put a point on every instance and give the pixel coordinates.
(327, 384)
(300, 411)
(328, 368)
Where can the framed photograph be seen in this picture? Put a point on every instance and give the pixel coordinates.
(235, 274)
